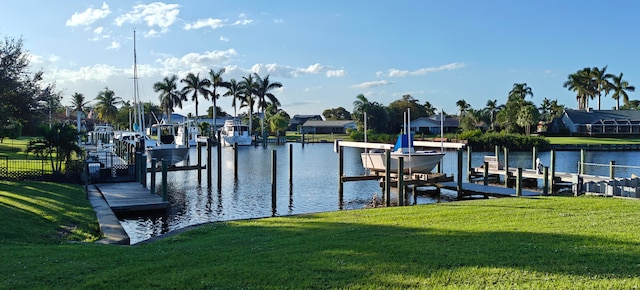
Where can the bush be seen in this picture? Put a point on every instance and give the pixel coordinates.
(515, 142)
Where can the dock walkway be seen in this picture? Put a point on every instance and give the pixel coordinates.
(130, 197)
(487, 190)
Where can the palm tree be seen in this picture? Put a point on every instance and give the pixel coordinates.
(57, 143)
(195, 86)
(77, 100)
(248, 86)
(620, 88)
(106, 105)
(235, 92)
(601, 80)
(263, 92)
(492, 109)
(361, 106)
(580, 83)
(169, 95)
(463, 106)
(429, 109)
(521, 91)
(216, 82)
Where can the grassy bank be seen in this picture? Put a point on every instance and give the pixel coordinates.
(546, 242)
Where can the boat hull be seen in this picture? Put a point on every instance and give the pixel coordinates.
(240, 140)
(172, 155)
(417, 162)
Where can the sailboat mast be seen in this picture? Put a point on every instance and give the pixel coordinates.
(136, 92)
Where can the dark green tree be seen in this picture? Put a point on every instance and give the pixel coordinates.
(57, 143)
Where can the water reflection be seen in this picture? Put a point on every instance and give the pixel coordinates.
(314, 187)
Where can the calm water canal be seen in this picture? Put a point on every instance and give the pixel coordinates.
(314, 188)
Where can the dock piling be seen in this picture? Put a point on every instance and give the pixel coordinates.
(164, 180)
(519, 182)
(143, 170)
(581, 166)
(469, 168)
(459, 175)
(545, 181)
(400, 181)
(612, 169)
(387, 178)
(290, 164)
(486, 173)
(198, 148)
(235, 161)
(274, 164)
(209, 161)
(340, 174)
(154, 163)
(535, 156)
(219, 159)
(506, 167)
(553, 171)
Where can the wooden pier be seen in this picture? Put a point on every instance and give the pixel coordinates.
(126, 197)
(470, 189)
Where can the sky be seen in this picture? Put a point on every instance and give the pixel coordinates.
(325, 53)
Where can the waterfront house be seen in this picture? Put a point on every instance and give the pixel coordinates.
(327, 127)
(602, 122)
(431, 125)
(298, 120)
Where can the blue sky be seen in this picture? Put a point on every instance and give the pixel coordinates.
(325, 53)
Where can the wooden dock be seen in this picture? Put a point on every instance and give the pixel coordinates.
(127, 197)
(469, 189)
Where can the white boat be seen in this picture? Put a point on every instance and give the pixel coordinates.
(414, 161)
(234, 132)
(188, 133)
(165, 147)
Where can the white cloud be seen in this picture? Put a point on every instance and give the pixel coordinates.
(210, 22)
(336, 73)
(243, 20)
(98, 72)
(196, 62)
(422, 71)
(98, 30)
(279, 20)
(368, 85)
(225, 39)
(155, 14)
(89, 16)
(114, 45)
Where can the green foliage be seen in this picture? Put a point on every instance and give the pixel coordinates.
(516, 142)
(57, 143)
(373, 136)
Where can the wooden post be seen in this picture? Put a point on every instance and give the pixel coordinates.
(535, 156)
(210, 161)
(553, 171)
(497, 152)
(581, 167)
(387, 177)
(459, 176)
(235, 161)
(469, 169)
(340, 174)
(198, 148)
(143, 170)
(486, 173)
(137, 165)
(303, 140)
(612, 169)
(290, 164)
(545, 182)
(400, 181)
(519, 182)
(164, 180)
(219, 157)
(154, 163)
(274, 163)
(506, 167)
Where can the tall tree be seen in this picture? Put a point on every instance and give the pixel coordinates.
(235, 92)
(78, 102)
(57, 143)
(263, 93)
(338, 113)
(216, 82)
(429, 109)
(521, 90)
(169, 96)
(361, 106)
(582, 84)
(463, 106)
(600, 79)
(620, 88)
(106, 105)
(195, 86)
(249, 87)
(492, 108)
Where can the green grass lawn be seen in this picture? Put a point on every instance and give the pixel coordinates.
(531, 243)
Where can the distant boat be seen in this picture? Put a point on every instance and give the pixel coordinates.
(234, 132)
(188, 133)
(414, 161)
(165, 146)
